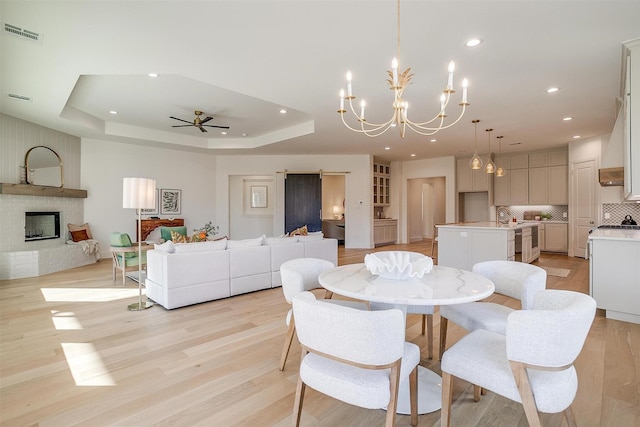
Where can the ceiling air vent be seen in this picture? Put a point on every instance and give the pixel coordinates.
(20, 97)
(22, 33)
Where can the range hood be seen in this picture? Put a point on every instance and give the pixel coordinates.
(610, 177)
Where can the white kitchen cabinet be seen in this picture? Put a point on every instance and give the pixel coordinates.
(519, 186)
(549, 185)
(385, 231)
(381, 184)
(615, 277)
(519, 161)
(555, 237)
(631, 111)
(470, 180)
(538, 186)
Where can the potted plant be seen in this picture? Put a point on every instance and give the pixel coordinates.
(545, 216)
(208, 230)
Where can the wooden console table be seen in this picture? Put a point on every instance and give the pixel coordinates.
(148, 225)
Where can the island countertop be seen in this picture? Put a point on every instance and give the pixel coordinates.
(489, 225)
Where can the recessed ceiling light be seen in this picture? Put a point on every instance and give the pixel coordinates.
(566, 119)
(244, 134)
(387, 148)
(553, 89)
(283, 111)
(393, 125)
(434, 140)
(152, 75)
(114, 112)
(473, 42)
(413, 155)
(576, 136)
(223, 132)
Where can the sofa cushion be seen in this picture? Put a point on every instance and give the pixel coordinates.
(245, 243)
(317, 235)
(217, 245)
(165, 232)
(167, 246)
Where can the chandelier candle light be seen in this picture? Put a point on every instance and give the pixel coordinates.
(398, 82)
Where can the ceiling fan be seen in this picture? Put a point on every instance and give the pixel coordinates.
(198, 122)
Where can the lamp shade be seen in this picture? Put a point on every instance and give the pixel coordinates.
(138, 193)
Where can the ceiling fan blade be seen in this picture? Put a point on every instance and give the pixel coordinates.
(201, 128)
(175, 118)
(214, 126)
(181, 126)
(205, 120)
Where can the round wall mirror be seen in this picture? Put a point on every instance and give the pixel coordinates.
(44, 167)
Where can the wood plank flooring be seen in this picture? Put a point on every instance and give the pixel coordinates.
(73, 355)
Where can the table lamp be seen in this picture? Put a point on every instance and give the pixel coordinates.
(139, 193)
(336, 211)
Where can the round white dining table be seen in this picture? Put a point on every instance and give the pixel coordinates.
(441, 286)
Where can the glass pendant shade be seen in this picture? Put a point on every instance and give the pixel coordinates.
(490, 167)
(475, 162)
(500, 172)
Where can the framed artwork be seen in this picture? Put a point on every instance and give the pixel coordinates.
(258, 196)
(170, 201)
(155, 210)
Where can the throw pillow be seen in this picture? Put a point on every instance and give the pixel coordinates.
(80, 235)
(85, 226)
(178, 238)
(165, 232)
(302, 231)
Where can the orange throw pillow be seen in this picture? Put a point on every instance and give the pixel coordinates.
(79, 235)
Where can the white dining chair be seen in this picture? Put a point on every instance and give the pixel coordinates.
(532, 363)
(356, 356)
(427, 319)
(511, 278)
(299, 275)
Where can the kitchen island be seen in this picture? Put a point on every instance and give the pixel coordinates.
(464, 244)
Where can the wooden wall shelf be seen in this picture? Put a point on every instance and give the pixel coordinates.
(41, 190)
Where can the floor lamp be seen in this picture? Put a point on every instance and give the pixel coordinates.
(139, 193)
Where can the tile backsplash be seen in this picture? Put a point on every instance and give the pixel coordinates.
(617, 212)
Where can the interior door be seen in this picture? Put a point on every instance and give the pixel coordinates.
(303, 202)
(584, 184)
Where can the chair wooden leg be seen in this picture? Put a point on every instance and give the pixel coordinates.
(447, 395)
(429, 335)
(328, 295)
(413, 396)
(568, 415)
(477, 391)
(443, 335)
(297, 405)
(287, 344)
(394, 385)
(526, 394)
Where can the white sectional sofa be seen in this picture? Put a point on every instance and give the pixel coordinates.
(190, 273)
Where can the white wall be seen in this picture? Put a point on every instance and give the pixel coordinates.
(247, 222)
(105, 163)
(358, 203)
(428, 168)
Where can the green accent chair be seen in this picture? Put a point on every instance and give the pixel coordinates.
(125, 254)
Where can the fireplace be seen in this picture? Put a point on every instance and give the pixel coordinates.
(41, 226)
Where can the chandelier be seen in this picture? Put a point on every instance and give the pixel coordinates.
(399, 117)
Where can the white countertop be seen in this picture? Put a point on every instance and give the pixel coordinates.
(615, 234)
(489, 225)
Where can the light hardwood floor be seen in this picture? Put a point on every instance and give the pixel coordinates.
(72, 354)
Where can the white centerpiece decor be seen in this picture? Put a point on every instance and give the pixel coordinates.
(398, 265)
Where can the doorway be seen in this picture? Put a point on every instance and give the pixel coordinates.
(302, 202)
(426, 206)
(584, 205)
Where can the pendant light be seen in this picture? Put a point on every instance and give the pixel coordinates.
(476, 161)
(490, 167)
(500, 172)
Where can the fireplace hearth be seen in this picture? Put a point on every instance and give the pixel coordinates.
(41, 226)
